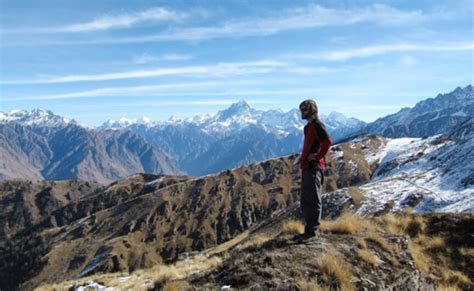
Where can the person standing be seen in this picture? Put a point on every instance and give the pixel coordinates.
(316, 144)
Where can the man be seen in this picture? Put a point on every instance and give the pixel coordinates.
(316, 144)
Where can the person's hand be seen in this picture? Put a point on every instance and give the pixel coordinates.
(311, 157)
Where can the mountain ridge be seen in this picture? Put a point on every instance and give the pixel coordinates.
(146, 219)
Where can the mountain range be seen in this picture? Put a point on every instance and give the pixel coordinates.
(58, 230)
(40, 145)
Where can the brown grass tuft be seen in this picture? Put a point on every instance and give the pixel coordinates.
(411, 224)
(444, 287)
(177, 286)
(310, 286)
(379, 240)
(347, 223)
(357, 197)
(394, 262)
(437, 243)
(422, 262)
(369, 257)
(362, 244)
(467, 252)
(292, 227)
(334, 267)
(455, 278)
(416, 225)
(254, 242)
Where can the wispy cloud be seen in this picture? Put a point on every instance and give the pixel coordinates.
(147, 58)
(342, 55)
(216, 88)
(313, 69)
(220, 69)
(108, 22)
(309, 16)
(118, 91)
(170, 103)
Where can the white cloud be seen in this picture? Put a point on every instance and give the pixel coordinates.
(177, 57)
(166, 103)
(147, 58)
(177, 89)
(117, 91)
(300, 18)
(220, 69)
(310, 16)
(312, 70)
(369, 51)
(156, 14)
(107, 22)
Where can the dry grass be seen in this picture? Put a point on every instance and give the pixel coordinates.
(467, 252)
(455, 278)
(434, 243)
(437, 243)
(347, 223)
(444, 287)
(292, 227)
(422, 262)
(362, 244)
(380, 241)
(335, 267)
(408, 223)
(177, 286)
(160, 275)
(356, 195)
(310, 286)
(369, 257)
(254, 242)
(394, 262)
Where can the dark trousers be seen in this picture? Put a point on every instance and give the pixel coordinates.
(311, 204)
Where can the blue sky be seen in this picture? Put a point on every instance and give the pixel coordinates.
(99, 60)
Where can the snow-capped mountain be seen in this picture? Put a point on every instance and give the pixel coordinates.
(241, 115)
(429, 117)
(39, 117)
(201, 145)
(241, 135)
(427, 174)
(125, 122)
(47, 146)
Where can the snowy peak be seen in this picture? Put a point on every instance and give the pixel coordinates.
(36, 116)
(241, 108)
(124, 122)
(240, 115)
(336, 119)
(461, 93)
(429, 117)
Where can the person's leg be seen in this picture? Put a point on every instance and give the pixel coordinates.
(318, 205)
(311, 199)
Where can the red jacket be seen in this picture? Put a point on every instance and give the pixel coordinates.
(317, 141)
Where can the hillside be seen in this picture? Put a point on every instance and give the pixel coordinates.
(405, 252)
(146, 219)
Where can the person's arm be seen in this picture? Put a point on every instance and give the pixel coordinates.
(325, 142)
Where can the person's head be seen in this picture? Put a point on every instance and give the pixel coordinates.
(309, 109)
